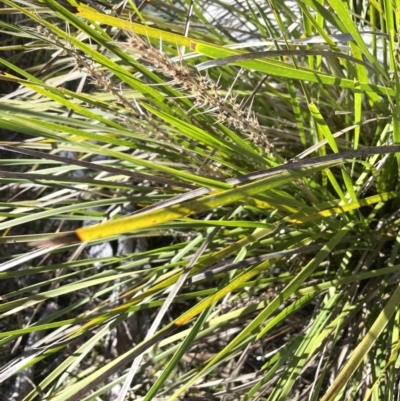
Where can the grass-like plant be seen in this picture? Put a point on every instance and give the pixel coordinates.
(199, 200)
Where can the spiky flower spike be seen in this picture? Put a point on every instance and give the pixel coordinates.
(202, 87)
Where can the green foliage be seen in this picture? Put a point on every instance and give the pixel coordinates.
(227, 283)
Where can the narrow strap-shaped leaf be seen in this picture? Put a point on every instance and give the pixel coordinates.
(202, 199)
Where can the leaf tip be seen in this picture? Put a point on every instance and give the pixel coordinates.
(62, 239)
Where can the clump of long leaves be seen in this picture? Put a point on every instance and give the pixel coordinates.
(227, 181)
